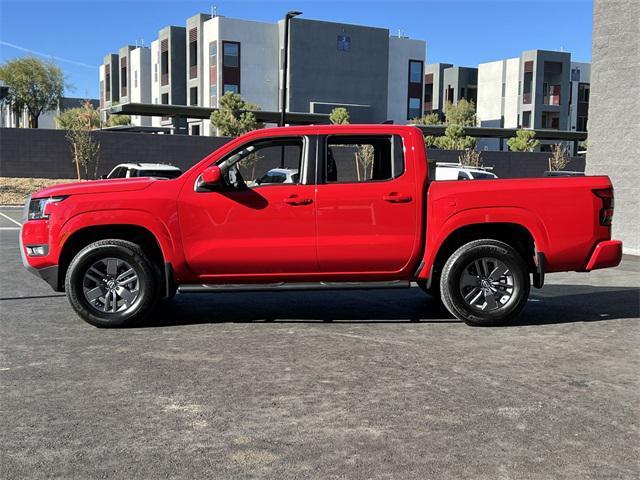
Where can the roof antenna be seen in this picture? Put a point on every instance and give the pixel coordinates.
(214, 11)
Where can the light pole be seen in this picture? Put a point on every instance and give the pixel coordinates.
(285, 64)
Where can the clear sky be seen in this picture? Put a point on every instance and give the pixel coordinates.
(463, 32)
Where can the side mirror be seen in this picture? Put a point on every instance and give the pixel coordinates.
(209, 178)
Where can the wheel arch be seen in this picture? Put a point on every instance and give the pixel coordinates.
(87, 235)
(514, 234)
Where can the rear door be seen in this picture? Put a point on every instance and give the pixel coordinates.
(366, 205)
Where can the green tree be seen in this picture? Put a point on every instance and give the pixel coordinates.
(117, 120)
(85, 114)
(455, 139)
(463, 113)
(34, 84)
(428, 119)
(339, 116)
(233, 118)
(524, 141)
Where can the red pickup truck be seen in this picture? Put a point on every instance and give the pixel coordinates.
(317, 207)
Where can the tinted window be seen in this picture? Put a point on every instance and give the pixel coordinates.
(463, 176)
(355, 159)
(483, 176)
(248, 166)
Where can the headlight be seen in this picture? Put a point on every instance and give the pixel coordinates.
(37, 207)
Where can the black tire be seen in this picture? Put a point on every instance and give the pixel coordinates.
(433, 290)
(493, 252)
(129, 254)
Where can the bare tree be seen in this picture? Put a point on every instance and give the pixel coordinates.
(470, 158)
(559, 157)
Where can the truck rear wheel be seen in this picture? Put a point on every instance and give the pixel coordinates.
(112, 283)
(484, 283)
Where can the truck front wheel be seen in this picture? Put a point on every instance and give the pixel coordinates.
(112, 283)
(484, 283)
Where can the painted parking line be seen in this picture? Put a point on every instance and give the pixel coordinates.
(11, 219)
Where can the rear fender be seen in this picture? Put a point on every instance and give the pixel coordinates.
(480, 216)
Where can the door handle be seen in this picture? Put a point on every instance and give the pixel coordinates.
(395, 197)
(295, 200)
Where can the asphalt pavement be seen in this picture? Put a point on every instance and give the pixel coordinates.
(353, 384)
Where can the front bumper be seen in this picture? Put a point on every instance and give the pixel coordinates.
(606, 254)
(49, 274)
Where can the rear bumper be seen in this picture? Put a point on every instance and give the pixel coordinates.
(606, 254)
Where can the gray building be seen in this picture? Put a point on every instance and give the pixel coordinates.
(614, 128)
(109, 81)
(331, 64)
(444, 83)
(540, 89)
(125, 72)
(433, 90)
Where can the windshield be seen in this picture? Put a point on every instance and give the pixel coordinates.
(159, 173)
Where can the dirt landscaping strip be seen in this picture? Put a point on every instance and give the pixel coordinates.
(14, 190)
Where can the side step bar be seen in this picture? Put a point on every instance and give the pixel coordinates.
(267, 287)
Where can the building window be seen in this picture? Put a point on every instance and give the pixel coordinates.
(213, 74)
(415, 71)
(193, 53)
(135, 79)
(123, 76)
(193, 96)
(155, 72)
(164, 62)
(415, 86)
(581, 124)
(230, 67)
(583, 92)
(504, 89)
(165, 99)
(231, 54)
(414, 108)
(575, 74)
(344, 43)
(526, 119)
(229, 87)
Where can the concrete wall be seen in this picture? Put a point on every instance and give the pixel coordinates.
(614, 128)
(47, 154)
(509, 164)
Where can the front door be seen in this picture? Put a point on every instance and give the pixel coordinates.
(261, 222)
(366, 205)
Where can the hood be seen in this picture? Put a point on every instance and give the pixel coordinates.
(95, 186)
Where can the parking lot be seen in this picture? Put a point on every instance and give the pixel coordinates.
(358, 384)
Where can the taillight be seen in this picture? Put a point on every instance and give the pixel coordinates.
(606, 212)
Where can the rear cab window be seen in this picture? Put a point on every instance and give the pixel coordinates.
(363, 158)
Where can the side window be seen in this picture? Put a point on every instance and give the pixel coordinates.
(463, 176)
(119, 173)
(353, 159)
(265, 162)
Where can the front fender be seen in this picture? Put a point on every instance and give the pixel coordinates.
(437, 233)
(138, 218)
